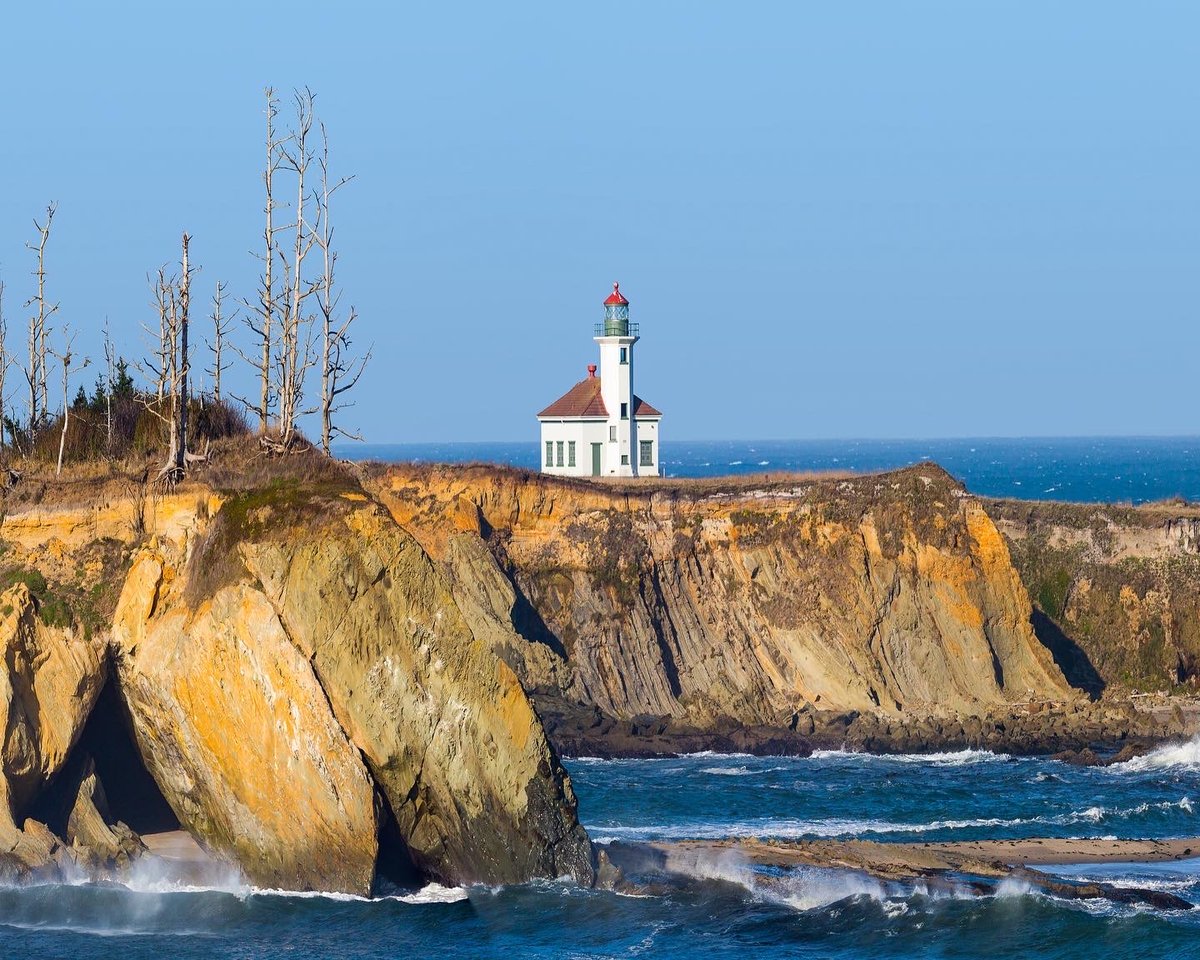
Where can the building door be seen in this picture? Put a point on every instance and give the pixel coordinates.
(596, 459)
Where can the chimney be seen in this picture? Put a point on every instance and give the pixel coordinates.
(591, 371)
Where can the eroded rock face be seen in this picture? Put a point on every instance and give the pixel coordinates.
(238, 734)
(50, 681)
(890, 593)
(445, 727)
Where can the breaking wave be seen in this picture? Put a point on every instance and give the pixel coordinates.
(954, 758)
(834, 828)
(1175, 755)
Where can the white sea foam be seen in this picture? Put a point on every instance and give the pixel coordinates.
(954, 758)
(728, 771)
(813, 888)
(788, 828)
(1181, 755)
(434, 893)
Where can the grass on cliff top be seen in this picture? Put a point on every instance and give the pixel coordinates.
(276, 499)
(676, 488)
(1083, 516)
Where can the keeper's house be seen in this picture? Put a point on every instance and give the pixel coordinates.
(600, 428)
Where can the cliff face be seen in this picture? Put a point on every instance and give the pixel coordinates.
(284, 674)
(1114, 590)
(893, 592)
(237, 733)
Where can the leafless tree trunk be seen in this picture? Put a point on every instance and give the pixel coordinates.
(260, 316)
(35, 372)
(164, 305)
(339, 371)
(217, 345)
(110, 364)
(184, 363)
(64, 359)
(295, 344)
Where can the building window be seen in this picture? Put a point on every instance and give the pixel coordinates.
(624, 459)
(624, 411)
(549, 453)
(612, 434)
(571, 453)
(560, 449)
(624, 354)
(647, 448)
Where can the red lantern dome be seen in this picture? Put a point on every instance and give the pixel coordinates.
(616, 298)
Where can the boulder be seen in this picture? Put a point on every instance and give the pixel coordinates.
(97, 840)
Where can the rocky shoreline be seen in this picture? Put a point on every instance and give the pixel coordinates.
(974, 867)
(1077, 732)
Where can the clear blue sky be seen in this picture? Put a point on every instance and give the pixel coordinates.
(844, 219)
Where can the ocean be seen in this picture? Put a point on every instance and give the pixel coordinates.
(1092, 469)
(732, 910)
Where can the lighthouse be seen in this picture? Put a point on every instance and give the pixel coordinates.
(600, 427)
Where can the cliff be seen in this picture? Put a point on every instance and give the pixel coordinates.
(1114, 590)
(277, 669)
(751, 601)
(335, 681)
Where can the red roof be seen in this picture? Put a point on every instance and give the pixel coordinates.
(616, 298)
(642, 409)
(584, 400)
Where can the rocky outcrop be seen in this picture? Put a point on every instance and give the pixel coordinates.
(238, 734)
(443, 723)
(51, 678)
(1114, 590)
(742, 600)
(96, 838)
(297, 681)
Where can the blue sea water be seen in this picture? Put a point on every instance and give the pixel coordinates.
(1092, 469)
(731, 910)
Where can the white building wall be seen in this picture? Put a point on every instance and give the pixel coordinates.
(616, 387)
(583, 433)
(647, 430)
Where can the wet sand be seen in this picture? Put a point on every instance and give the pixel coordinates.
(176, 845)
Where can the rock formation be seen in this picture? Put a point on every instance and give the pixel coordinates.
(238, 734)
(1114, 590)
(331, 680)
(442, 722)
(892, 593)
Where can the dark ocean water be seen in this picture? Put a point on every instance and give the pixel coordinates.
(732, 910)
(1097, 469)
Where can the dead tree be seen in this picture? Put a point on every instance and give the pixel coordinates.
(158, 368)
(179, 429)
(295, 342)
(216, 346)
(260, 316)
(35, 372)
(110, 375)
(172, 365)
(340, 371)
(65, 358)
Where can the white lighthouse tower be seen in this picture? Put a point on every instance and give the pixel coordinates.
(616, 337)
(600, 427)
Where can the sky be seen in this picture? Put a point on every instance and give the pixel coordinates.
(888, 219)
